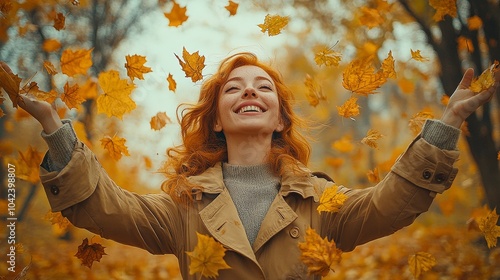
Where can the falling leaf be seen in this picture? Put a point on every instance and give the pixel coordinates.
(406, 85)
(420, 262)
(32, 89)
(388, 66)
(76, 62)
(370, 17)
(445, 99)
(232, 7)
(27, 167)
(360, 77)
(116, 99)
(334, 162)
(320, 255)
(56, 218)
(135, 66)
(331, 200)
(147, 162)
(71, 96)
(417, 121)
(489, 228)
(51, 45)
(207, 257)
(371, 138)
(343, 145)
(324, 55)
(474, 23)
(89, 89)
(172, 85)
(49, 67)
(90, 253)
(115, 146)
(373, 175)
(192, 65)
(176, 16)
(10, 83)
(273, 24)
(417, 56)
(485, 80)
(314, 92)
(443, 8)
(349, 109)
(465, 44)
(59, 21)
(159, 121)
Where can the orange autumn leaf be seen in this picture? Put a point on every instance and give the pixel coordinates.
(172, 84)
(177, 15)
(388, 66)
(334, 162)
(159, 121)
(406, 85)
(115, 146)
(349, 109)
(371, 138)
(27, 167)
(32, 89)
(443, 8)
(232, 7)
(192, 65)
(76, 62)
(360, 77)
(417, 56)
(207, 258)
(51, 45)
(319, 255)
(71, 96)
(417, 121)
(373, 175)
(465, 44)
(115, 101)
(10, 83)
(474, 23)
(273, 24)
(135, 66)
(370, 17)
(324, 55)
(420, 262)
(49, 67)
(89, 89)
(331, 200)
(56, 218)
(89, 253)
(488, 227)
(485, 80)
(343, 145)
(445, 99)
(314, 93)
(59, 21)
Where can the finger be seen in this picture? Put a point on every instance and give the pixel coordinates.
(466, 79)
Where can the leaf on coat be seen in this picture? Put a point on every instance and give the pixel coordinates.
(90, 253)
(420, 262)
(76, 62)
(56, 218)
(116, 99)
(485, 80)
(331, 200)
(320, 255)
(172, 84)
(159, 121)
(10, 83)
(314, 92)
(489, 228)
(349, 109)
(324, 55)
(360, 77)
(232, 7)
(176, 16)
(443, 8)
(71, 96)
(207, 257)
(371, 138)
(417, 121)
(273, 24)
(115, 146)
(192, 65)
(417, 56)
(135, 66)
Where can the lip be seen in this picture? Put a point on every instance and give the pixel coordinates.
(250, 103)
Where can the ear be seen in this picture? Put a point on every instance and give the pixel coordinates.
(280, 126)
(217, 126)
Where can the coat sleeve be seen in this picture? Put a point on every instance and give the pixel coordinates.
(407, 191)
(88, 197)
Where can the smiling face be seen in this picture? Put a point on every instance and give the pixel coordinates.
(248, 103)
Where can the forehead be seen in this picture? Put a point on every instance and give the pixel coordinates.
(249, 71)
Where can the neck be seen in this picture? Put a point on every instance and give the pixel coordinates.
(248, 149)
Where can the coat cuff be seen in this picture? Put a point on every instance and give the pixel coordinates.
(61, 186)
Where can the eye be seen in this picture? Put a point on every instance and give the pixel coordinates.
(267, 87)
(230, 89)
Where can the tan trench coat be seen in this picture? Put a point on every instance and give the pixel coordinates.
(90, 199)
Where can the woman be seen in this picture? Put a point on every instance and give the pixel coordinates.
(240, 177)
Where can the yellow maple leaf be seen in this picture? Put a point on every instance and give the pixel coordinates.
(76, 62)
(388, 66)
(314, 93)
(373, 175)
(417, 121)
(349, 109)
(10, 82)
(420, 262)
(370, 17)
(273, 24)
(135, 66)
(176, 16)
(371, 138)
(115, 146)
(324, 55)
(474, 23)
(343, 145)
(51, 45)
(192, 65)
(159, 121)
(172, 84)
(115, 101)
(56, 218)
(417, 56)
(360, 77)
(89, 253)
(331, 200)
(319, 255)
(71, 96)
(59, 21)
(232, 7)
(207, 258)
(443, 8)
(485, 80)
(489, 228)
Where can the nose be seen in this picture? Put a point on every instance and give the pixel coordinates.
(249, 92)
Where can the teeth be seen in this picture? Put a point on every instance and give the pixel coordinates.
(249, 108)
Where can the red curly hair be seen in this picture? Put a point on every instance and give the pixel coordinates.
(202, 147)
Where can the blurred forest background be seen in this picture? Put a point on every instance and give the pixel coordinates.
(432, 43)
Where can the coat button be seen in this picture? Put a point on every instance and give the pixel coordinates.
(54, 190)
(294, 232)
(440, 177)
(426, 174)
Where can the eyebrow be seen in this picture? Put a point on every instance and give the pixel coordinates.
(258, 78)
